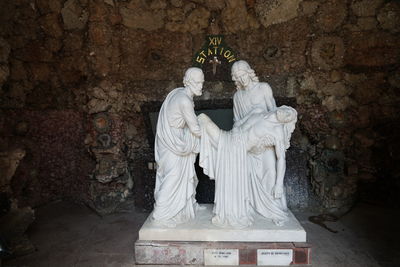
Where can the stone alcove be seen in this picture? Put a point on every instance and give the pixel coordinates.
(65, 61)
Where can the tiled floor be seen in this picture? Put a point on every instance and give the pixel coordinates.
(68, 234)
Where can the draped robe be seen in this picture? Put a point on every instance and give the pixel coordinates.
(226, 163)
(262, 165)
(175, 153)
(228, 157)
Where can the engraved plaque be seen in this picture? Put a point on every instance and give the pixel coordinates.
(221, 257)
(267, 257)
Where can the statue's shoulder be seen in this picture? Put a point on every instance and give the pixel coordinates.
(180, 96)
(238, 93)
(177, 93)
(237, 96)
(264, 88)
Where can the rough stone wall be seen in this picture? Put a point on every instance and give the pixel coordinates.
(69, 61)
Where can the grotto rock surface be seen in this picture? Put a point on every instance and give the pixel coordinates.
(62, 63)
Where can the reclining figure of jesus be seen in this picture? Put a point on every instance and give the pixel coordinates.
(224, 156)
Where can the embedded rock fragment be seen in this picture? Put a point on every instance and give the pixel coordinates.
(9, 161)
(365, 8)
(367, 23)
(309, 7)
(335, 89)
(215, 4)
(177, 3)
(273, 11)
(308, 83)
(4, 73)
(46, 6)
(235, 17)
(4, 66)
(74, 16)
(140, 17)
(331, 15)
(4, 50)
(327, 52)
(100, 33)
(196, 21)
(158, 4)
(51, 26)
(333, 103)
(389, 17)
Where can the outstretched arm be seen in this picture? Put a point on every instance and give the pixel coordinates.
(190, 117)
(280, 174)
(249, 119)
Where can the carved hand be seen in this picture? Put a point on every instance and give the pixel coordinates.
(277, 191)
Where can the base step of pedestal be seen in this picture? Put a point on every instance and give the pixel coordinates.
(221, 253)
(202, 229)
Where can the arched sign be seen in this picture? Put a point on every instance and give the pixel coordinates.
(215, 58)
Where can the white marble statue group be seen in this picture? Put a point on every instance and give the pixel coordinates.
(248, 163)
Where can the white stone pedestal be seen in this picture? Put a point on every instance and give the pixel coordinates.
(201, 229)
(201, 242)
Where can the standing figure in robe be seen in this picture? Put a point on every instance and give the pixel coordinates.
(225, 156)
(176, 148)
(254, 97)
